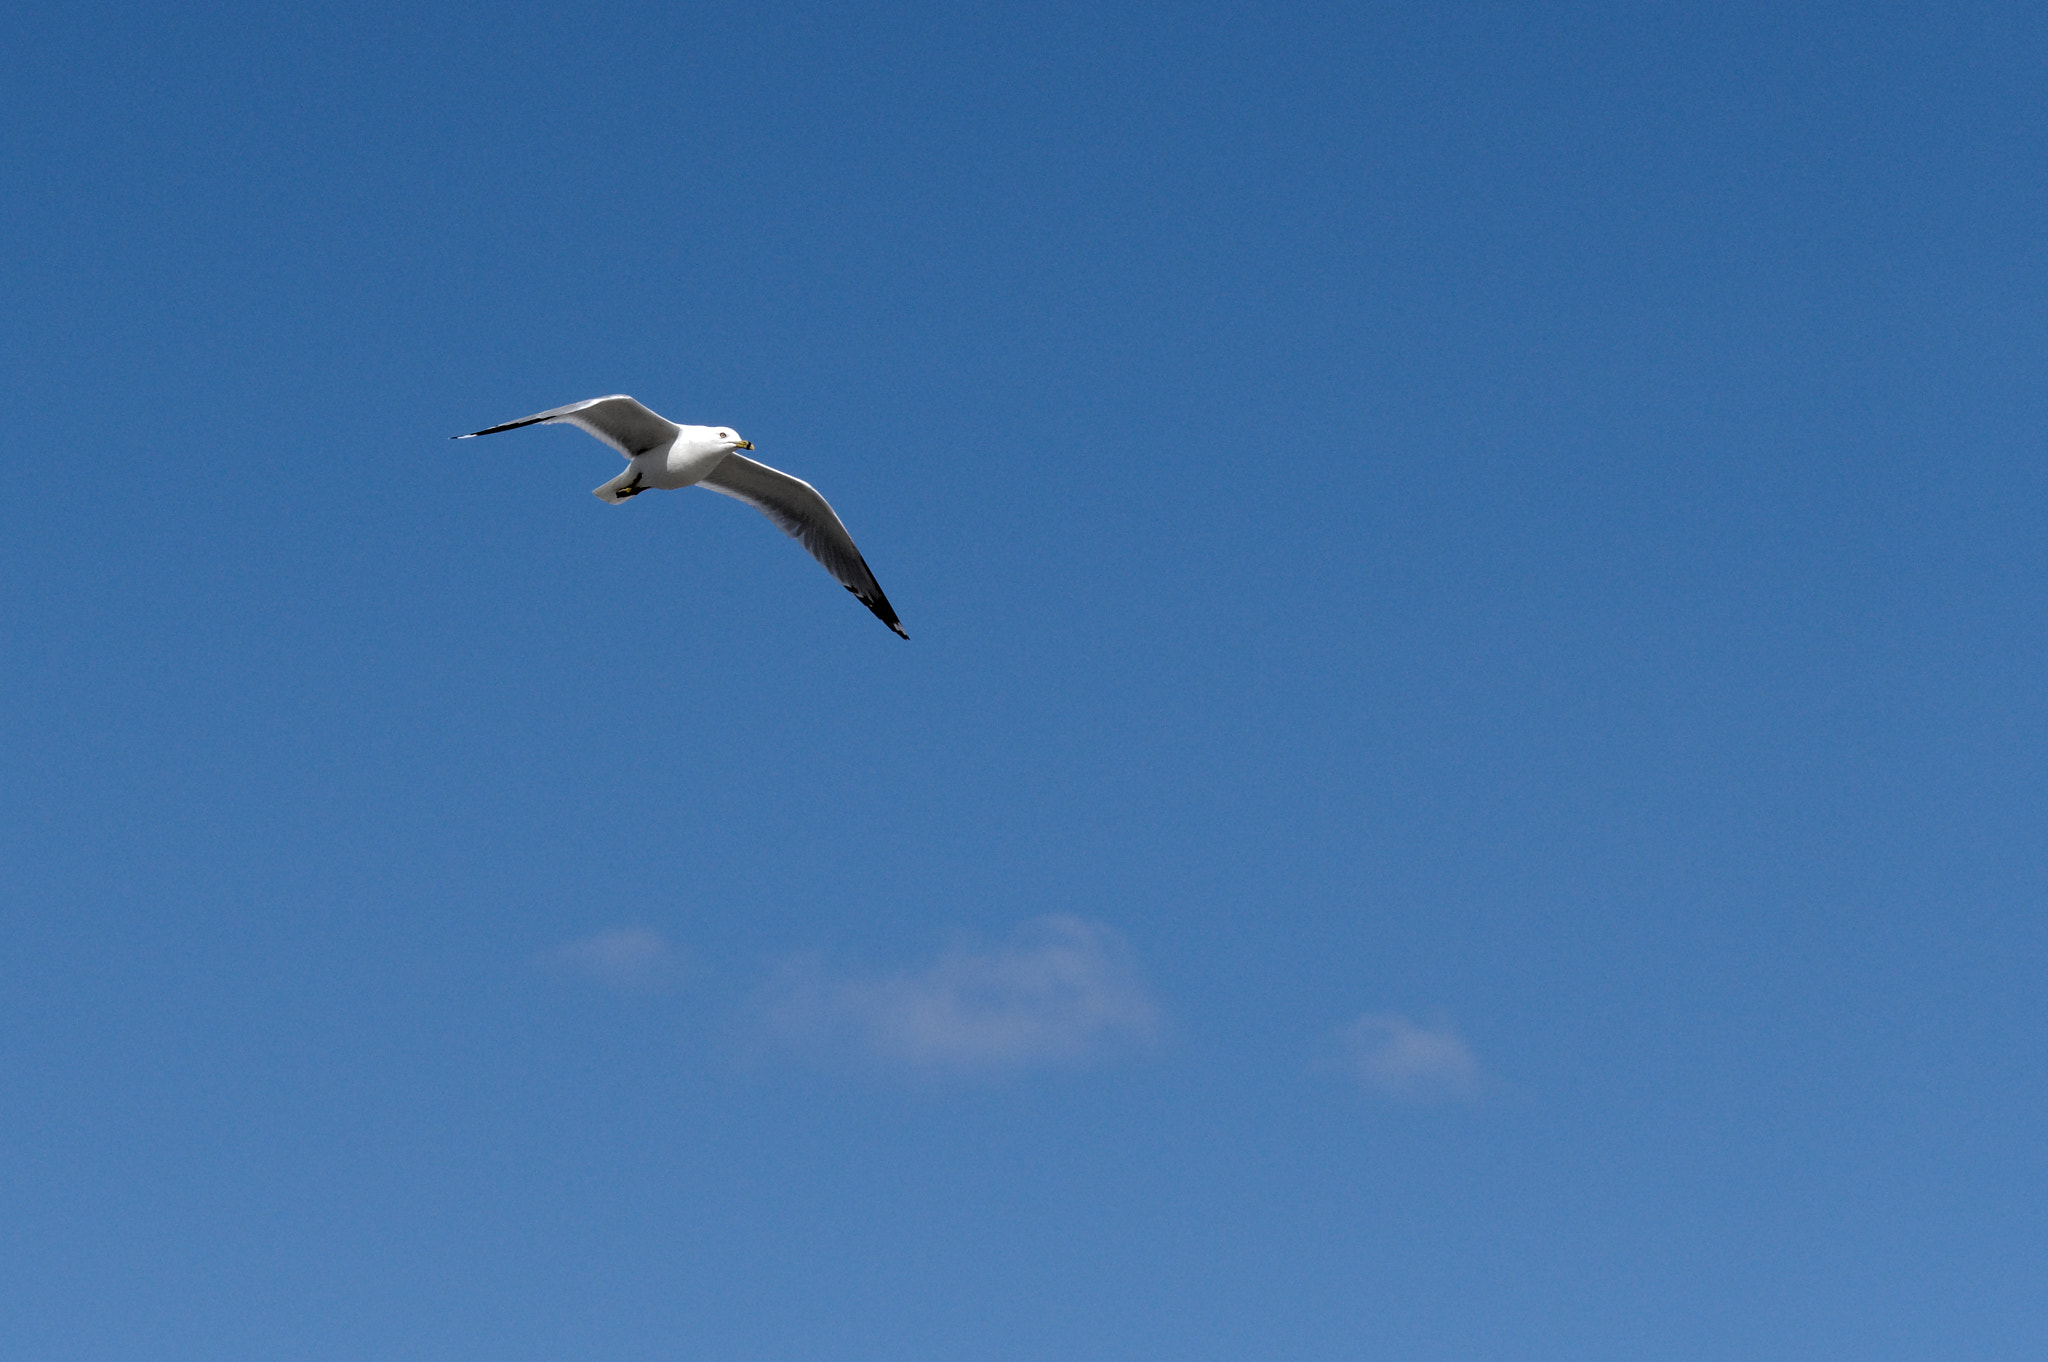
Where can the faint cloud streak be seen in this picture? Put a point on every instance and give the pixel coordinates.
(630, 959)
(1059, 992)
(1396, 1058)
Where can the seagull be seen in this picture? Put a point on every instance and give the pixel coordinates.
(662, 455)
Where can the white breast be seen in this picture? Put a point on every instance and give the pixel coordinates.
(684, 462)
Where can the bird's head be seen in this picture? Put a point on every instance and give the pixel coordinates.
(732, 441)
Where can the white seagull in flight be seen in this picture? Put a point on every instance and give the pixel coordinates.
(661, 454)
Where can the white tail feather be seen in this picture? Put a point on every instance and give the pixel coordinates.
(619, 489)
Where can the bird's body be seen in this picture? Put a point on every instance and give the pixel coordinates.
(684, 461)
(663, 456)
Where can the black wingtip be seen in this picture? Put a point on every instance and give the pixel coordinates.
(880, 607)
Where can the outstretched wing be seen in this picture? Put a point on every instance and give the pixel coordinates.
(799, 512)
(618, 420)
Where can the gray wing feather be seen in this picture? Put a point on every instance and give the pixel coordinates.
(617, 420)
(799, 512)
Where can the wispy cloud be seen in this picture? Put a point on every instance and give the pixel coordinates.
(631, 959)
(1061, 991)
(1396, 1058)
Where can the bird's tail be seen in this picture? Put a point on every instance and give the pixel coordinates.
(625, 485)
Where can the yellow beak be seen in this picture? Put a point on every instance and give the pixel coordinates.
(744, 444)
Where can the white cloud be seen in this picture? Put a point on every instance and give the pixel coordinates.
(1396, 1058)
(625, 958)
(1060, 992)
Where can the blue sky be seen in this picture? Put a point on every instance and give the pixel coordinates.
(1467, 780)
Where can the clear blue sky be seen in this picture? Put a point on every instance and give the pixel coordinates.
(1467, 781)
